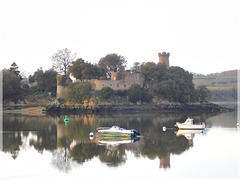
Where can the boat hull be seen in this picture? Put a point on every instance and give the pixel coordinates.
(117, 131)
(191, 126)
(120, 134)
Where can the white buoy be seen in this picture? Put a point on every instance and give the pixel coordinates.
(91, 135)
(237, 124)
(164, 128)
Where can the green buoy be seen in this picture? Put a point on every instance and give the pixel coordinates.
(66, 120)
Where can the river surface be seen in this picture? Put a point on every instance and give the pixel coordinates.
(43, 147)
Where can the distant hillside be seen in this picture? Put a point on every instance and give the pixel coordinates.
(223, 86)
(223, 80)
(225, 73)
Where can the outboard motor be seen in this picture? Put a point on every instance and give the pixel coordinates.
(136, 133)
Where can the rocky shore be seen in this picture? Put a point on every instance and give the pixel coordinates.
(130, 108)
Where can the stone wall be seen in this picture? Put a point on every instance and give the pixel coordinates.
(123, 84)
(130, 78)
(60, 90)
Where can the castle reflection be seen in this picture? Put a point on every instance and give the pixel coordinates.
(71, 143)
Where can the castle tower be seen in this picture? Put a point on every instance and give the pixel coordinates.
(164, 58)
(60, 86)
(114, 76)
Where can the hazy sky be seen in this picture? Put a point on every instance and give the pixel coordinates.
(202, 36)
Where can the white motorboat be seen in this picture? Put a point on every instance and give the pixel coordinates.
(117, 131)
(188, 124)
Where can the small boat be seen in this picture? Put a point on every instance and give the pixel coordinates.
(188, 124)
(117, 131)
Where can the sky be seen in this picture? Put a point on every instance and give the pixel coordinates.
(202, 36)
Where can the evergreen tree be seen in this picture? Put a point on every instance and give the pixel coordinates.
(11, 86)
(14, 69)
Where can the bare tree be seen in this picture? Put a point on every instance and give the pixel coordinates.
(62, 60)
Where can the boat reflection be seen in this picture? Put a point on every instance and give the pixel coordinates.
(116, 141)
(189, 134)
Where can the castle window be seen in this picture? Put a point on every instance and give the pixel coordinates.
(125, 85)
(117, 85)
(136, 77)
(110, 84)
(102, 84)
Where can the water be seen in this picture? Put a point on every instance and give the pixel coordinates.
(42, 147)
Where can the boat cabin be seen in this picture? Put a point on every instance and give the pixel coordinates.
(189, 121)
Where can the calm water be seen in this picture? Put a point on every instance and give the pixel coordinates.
(42, 147)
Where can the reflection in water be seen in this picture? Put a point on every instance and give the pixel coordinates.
(165, 161)
(11, 143)
(71, 143)
(189, 134)
(61, 159)
(113, 157)
(116, 141)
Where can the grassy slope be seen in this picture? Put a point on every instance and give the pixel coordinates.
(220, 84)
(223, 81)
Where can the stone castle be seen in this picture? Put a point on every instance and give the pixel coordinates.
(116, 83)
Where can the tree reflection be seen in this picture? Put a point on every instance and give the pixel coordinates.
(113, 157)
(61, 159)
(46, 139)
(162, 144)
(54, 136)
(11, 143)
(83, 152)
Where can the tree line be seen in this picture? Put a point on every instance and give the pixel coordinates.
(173, 84)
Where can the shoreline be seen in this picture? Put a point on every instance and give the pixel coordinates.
(127, 108)
(36, 110)
(116, 108)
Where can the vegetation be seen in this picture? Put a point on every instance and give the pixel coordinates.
(203, 93)
(111, 63)
(11, 86)
(61, 80)
(84, 70)
(14, 69)
(173, 84)
(41, 84)
(136, 93)
(62, 60)
(106, 93)
(221, 85)
(78, 92)
(223, 94)
(224, 79)
(46, 81)
(137, 68)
